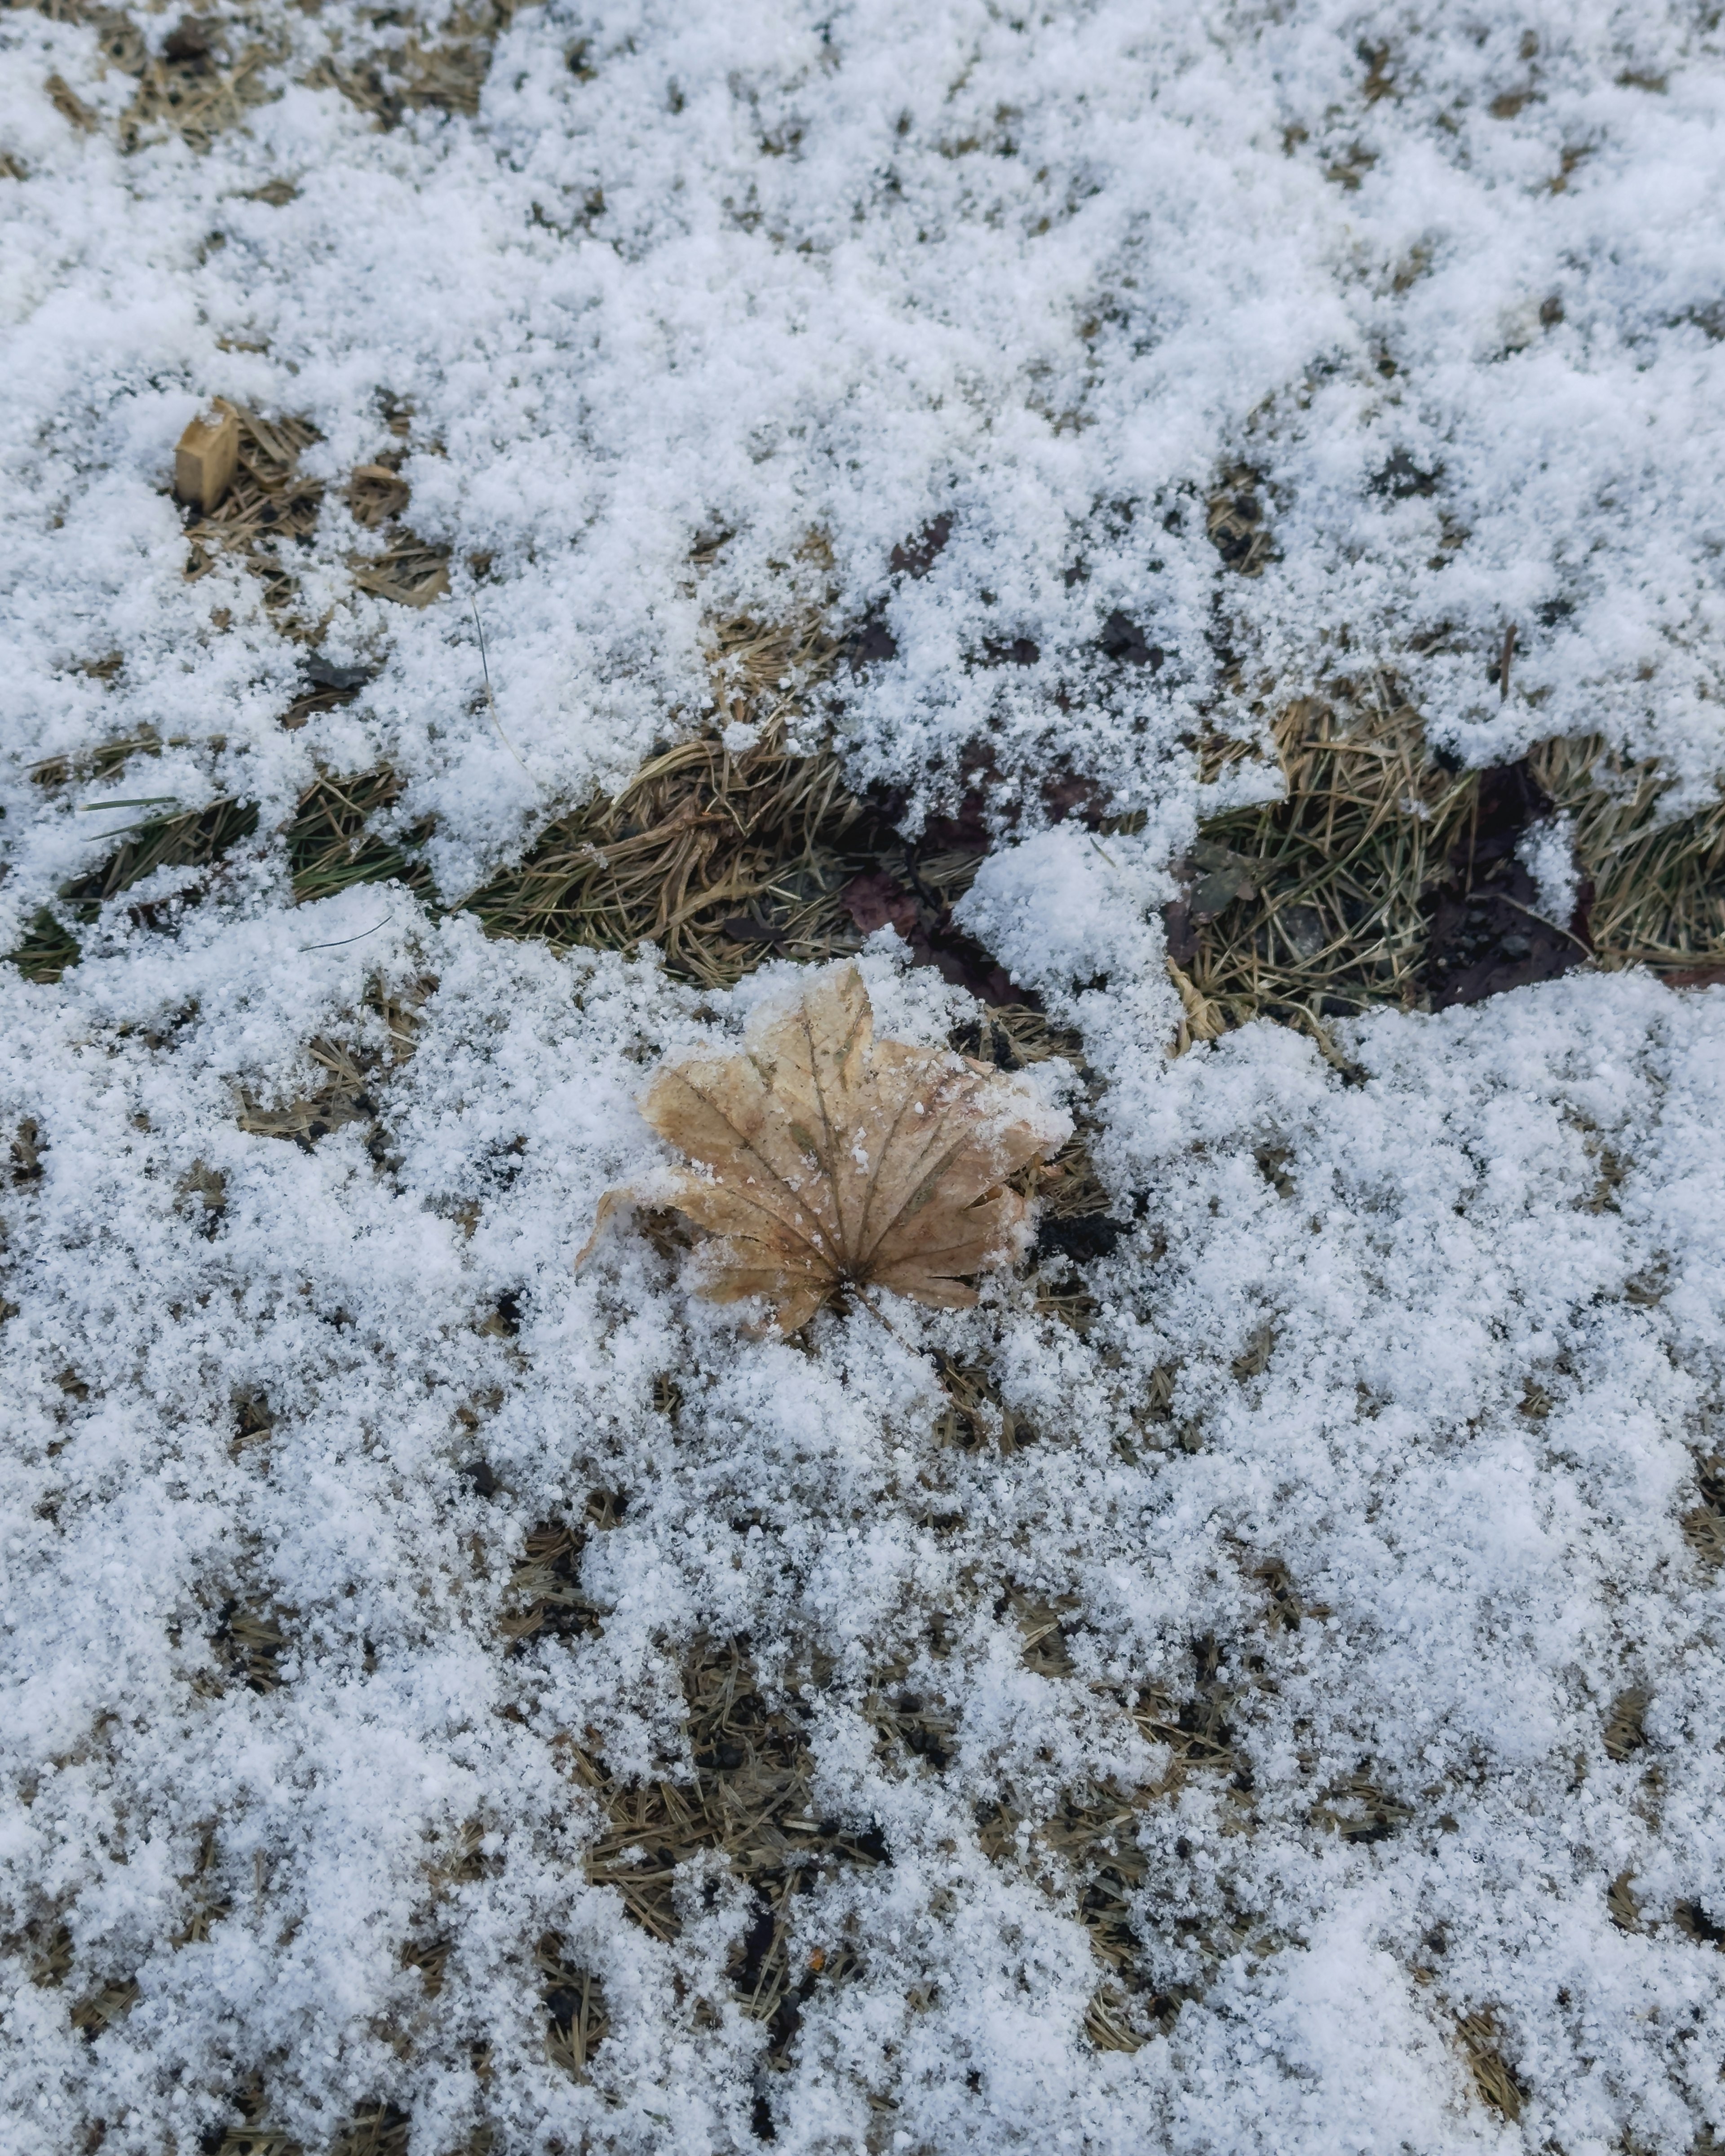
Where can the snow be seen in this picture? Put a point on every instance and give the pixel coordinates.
(1549, 854)
(1441, 1319)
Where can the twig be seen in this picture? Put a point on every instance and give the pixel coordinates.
(1509, 653)
(341, 940)
(490, 701)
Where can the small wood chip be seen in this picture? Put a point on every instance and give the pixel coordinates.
(207, 456)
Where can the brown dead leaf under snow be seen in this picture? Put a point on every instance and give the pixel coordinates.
(829, 1159)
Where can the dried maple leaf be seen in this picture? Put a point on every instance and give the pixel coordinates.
(830, 1159)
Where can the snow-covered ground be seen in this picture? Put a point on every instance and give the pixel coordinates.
(1429, 1357)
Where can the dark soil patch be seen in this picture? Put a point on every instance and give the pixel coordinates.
(1486, 933)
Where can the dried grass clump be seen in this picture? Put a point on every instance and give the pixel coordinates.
(721, 856)
(103, 760)
(207, 78)
(725, 856)
(973, 1413)
(355, 1071)
(102, 2009)
(909, 1725)
(577, 2019)
(344, 1100)
(1382, 877)
(209, 74)
(48, 950)
(405, 569)
(1310, 907)
(544, 1591)
(1492, 2075)
(332, 844)
(193, 839)
(375, 2130)
(248, 1642)
(1358, 1809)
(1624, 1732)
(750, 1804)
(1194, 1725)
(1234, 526)
(1704, 1523)
(400, 70)
(196, 838)
(1659, 885)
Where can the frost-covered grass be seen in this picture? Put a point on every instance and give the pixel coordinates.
(1257, 1691)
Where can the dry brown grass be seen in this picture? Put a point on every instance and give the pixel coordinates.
(1492, 2075)
(544, 1595)
(270, 513)
(207, 79)
(354, 1072)
(1311, 907)
(1623, 1731)
(1321, 904)
(750, 1805)
(1704, 1523)
(196, 838)
(1085, 1853)
(331, 843)
(210, 74)
(394, 67)
(1659, 885)
(721, 857)
(377, 2129)
(577, 2017)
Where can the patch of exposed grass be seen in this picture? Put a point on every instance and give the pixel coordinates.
(577, 2019)
(195, 837)
(48, 950)
(721, 856)
(248, 1642)
(377, 2129)
(343, 1098)
(1658, 884)
(353, 1071)
(1384, 877)
(1311, 906)
(1622, 1730)
(331, 843)
(1704, 1523)
(545, 1590)
(395, 66)
(750, 1805)
(1492, 2075)
(208, 76)
(210, 72)
(724, 856)
(1358, 1809)
(271, 510)
(99, 763)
